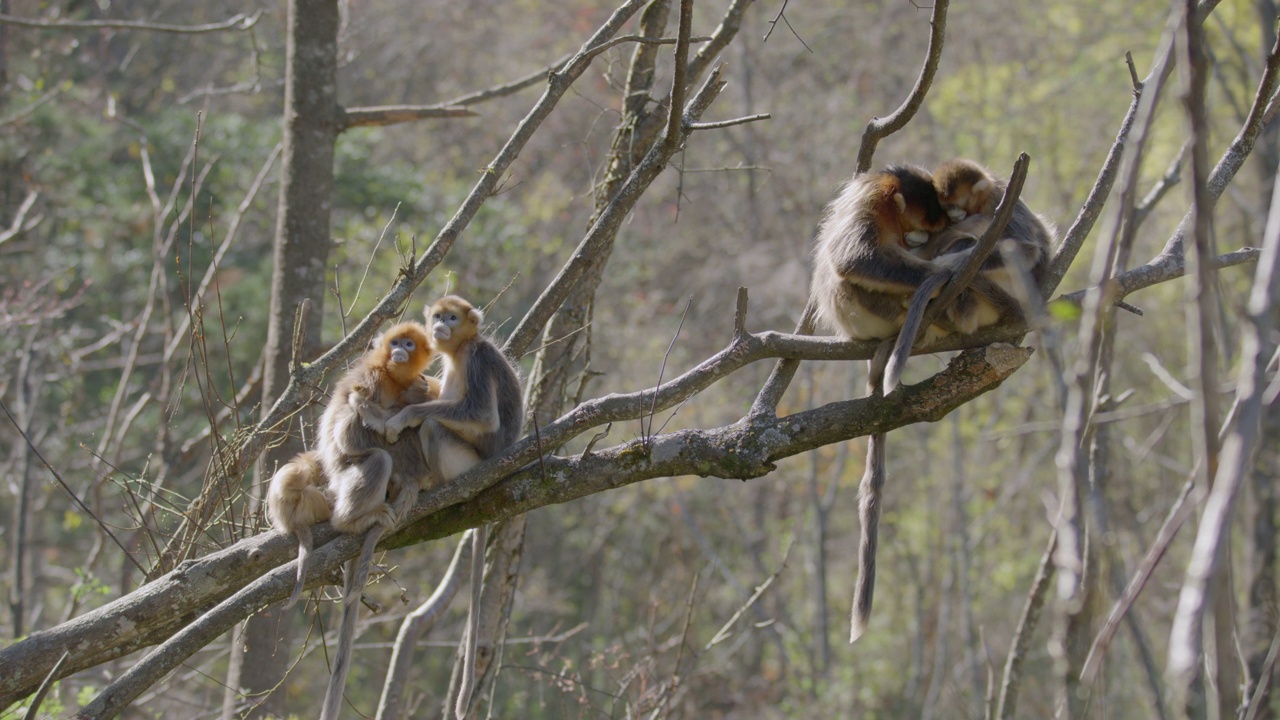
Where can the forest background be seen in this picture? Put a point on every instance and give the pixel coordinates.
(141, 203)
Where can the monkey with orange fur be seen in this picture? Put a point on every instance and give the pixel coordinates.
(970, 193)
(864, 270)
(480, 412)
(350, 448)
(865, 274)
(354, 478)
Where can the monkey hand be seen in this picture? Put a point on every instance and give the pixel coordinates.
(374, 423)
(397, 424)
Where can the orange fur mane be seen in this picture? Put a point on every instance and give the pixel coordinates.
(396, 377)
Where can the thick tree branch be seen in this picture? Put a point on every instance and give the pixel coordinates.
(259, 566)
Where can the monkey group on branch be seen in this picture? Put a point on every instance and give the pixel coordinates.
(365, 472)
(887, 244)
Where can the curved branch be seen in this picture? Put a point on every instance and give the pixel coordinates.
(880, 128)
(606, 226)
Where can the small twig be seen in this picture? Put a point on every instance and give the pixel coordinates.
(537, 438)
(27, 111)
(740, 314)
(239, 21)
(723, 633)
(1133, 71)
(653, 408)
(33, 710)
(728, 123)
(1031, 609)
(878, 129)
(781, 16)
(20, 223)
(595, 439)
(67, 488)
(299, 334)
(372, 254)
(1264, 678)
(383, 115)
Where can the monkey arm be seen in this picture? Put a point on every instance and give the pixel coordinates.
(473, 414)
(371, 414)
(887, 268)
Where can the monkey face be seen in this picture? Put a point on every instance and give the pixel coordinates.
(402, 349)
(444, 323)
(964, 188)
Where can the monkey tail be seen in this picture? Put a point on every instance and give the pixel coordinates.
(305, 545)
(911, 329)
(479, 537)
(870, 495)
(357, 572)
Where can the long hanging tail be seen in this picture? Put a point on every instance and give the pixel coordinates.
(305, 545)
(357, 573)
(479, 538)
(870, 495)
(910, 329)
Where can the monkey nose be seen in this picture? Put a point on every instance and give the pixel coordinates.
(399, 355)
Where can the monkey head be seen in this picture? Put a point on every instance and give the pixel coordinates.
(403, 351)
(964, 188)
(453, 321)
(915, 202)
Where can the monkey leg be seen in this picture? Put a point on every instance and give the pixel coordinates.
(447, 454)
(360, 494)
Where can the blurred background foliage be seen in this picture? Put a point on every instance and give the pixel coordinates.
(609, 582)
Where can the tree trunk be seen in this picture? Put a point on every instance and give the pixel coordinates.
(260, 653)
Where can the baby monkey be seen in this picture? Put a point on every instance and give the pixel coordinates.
(969, 194)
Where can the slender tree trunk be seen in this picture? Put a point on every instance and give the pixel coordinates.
(1260, 620)
(260, 653)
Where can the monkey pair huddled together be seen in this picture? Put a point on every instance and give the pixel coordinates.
(887, 244)
(364, 476)
(889, 233)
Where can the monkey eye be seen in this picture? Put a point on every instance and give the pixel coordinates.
(408, 344)
(436, 316)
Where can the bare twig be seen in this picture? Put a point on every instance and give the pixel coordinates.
(723, 633)
(33, 710)
(240, 21)
(20, 223)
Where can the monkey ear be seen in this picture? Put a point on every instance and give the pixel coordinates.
(476, 315)
(982, 186)
(900, 201)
